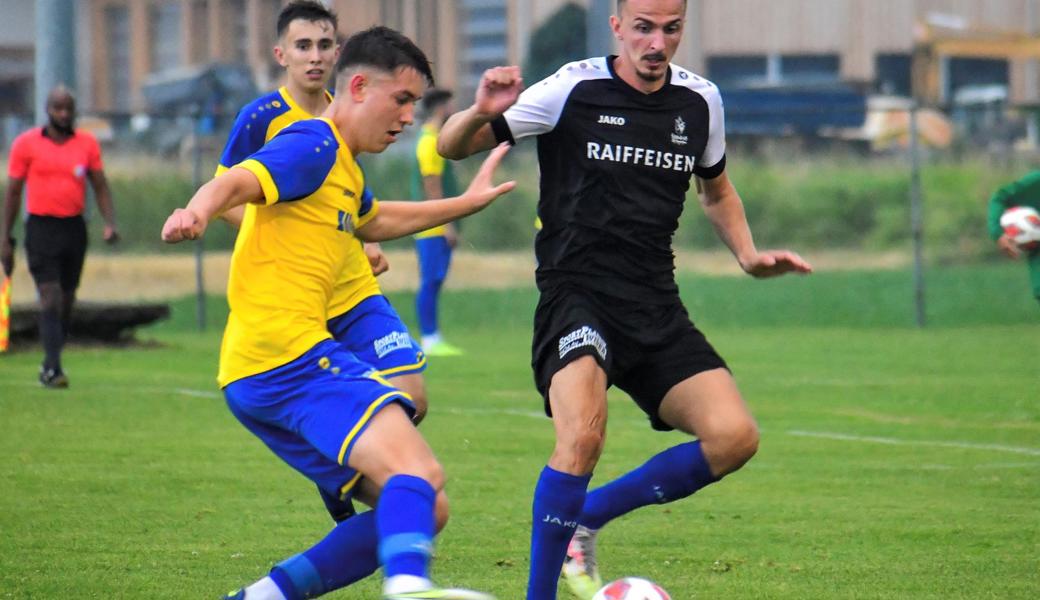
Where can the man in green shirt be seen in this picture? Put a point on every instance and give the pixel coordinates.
(1024, 192)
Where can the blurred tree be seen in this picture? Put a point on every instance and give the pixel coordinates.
(559, 40)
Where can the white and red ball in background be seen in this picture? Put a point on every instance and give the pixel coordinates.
(1022, 225)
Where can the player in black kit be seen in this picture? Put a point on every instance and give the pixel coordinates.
(619, 139)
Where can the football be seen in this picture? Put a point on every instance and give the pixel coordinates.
(1022, 225)
(631, 588)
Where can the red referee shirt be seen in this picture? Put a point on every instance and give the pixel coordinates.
(55, 174)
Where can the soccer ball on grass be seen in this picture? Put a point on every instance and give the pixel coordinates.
(1022, 225)
(631, 588)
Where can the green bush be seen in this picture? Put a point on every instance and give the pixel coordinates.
(804, 204)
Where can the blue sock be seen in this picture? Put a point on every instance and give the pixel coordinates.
(558, 498)
(426, 305)
(404, 519)
(347, 554)
(671, 475)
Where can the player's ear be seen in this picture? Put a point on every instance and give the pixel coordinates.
(615, 26)
(279, 54)
(356, 85)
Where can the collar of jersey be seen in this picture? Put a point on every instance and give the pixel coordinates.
(339, 140)
(633, 91)
(284, 92)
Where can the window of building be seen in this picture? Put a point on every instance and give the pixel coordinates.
(964, 72)
(810, 68)
(738, 70)
(892, 74)
(117, 26)
(165, 20)
(483, 30)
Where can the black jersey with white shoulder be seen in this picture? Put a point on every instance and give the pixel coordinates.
(615, 168)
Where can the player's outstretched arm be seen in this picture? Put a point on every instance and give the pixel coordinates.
(398, 219)
(234, 216)
(469, 131)
(233, 188)
(723, 206)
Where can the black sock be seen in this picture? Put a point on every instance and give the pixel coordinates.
(52, 335)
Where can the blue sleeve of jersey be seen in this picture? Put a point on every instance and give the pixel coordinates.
(367, 200)
(297, 160)
(247, 136)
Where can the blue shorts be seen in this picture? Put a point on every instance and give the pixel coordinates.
(434, 256)
(311, 411)
(375, 333)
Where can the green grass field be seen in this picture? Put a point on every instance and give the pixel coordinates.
(895, 462)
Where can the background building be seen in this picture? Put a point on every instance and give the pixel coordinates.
(867, 43)
(16, 56)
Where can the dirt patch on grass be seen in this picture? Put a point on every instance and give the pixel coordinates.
(133, 277)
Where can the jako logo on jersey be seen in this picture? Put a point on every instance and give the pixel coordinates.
(579, 338)
(680, 128)
(611, 120)
(640, 156)
(346, 222)
(395, 340)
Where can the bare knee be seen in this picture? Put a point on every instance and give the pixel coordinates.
(441, 511)
(431, 471)
(578, 452)
(426, 468)
(729, 447)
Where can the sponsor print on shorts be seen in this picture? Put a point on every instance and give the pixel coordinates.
(580, 338)
(395, 340)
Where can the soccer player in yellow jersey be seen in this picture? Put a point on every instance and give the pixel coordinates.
(360, 317)
(433, 177)
(316, 405)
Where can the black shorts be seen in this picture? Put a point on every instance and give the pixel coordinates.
(645, 349)
(55, 248)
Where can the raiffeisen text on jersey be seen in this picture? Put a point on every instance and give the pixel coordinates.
(640, 156)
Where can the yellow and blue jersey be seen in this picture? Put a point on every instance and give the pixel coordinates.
(429, 163)
(258, 122)
(254, 126)
(288, 265)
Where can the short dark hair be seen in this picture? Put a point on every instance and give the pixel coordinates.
(435, 98)
(308, 10)
(620, 2)
(384, 49)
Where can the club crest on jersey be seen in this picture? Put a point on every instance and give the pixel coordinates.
(345, 222)
(680, 128)
(611, 120)
(582, 337)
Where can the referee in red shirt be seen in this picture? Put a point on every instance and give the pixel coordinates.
(54, 162)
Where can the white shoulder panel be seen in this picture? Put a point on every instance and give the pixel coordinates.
(539, 107)
(716, 147)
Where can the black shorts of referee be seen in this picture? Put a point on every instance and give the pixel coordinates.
(55, 248)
